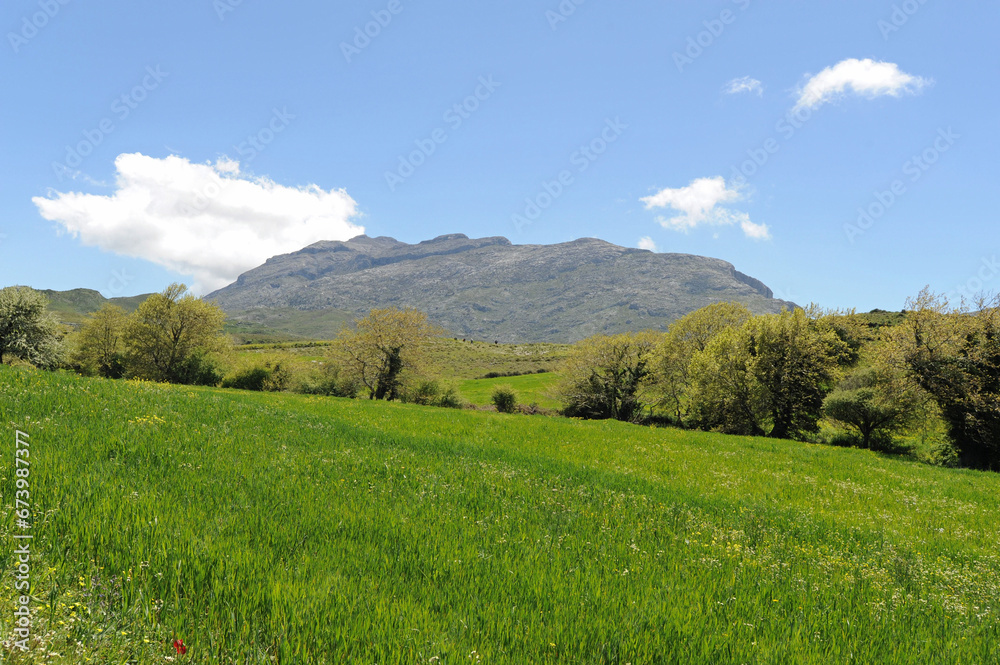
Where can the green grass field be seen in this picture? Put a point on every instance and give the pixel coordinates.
(530, 388)
(280, 528)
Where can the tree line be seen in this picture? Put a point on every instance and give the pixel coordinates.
(719, 369)
(725, 370)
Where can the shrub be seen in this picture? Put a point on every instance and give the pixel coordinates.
(248, 379)
(504, 399)
(270, 378)
(330, 381)
(449, 399)
(426, 393)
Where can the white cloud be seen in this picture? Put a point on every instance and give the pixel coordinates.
(744, 84)
(755, 231)
(700, 203)
(863, 77)
(647, 243)
(204, 220)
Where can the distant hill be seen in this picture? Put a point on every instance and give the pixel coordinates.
(72, 306)
(487, 288)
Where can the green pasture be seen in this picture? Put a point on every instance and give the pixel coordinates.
(277, 528)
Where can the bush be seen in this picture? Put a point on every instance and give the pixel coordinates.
(449, 399)
(426, 393)
(197, 369)
(504, 399)
(248, 379)
(270, 378)
(329, 381)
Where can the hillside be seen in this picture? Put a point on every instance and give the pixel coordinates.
(281, 528)
(488, 288)
(72, 306)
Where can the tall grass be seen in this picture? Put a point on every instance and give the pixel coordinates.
(282, 528)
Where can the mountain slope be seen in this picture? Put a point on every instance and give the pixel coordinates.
(491, 289)
(73, 306)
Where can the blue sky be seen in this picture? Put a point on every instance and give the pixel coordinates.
(145, 143)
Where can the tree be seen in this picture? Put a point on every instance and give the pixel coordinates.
(767, 377)
(382, 347)
(954, 355)
(170, 336)
(686, 337)
(875, 402)
(27, 330)
(607, 377)
(100, 343)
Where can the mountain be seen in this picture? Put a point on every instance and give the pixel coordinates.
(487, 288)
(71, 307)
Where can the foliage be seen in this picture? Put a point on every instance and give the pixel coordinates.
(955, 356)
(767, 377)
(875, 402)
(100, 347)
(294, 529)
(425, 393)
(606, 377)
(27, 330)
(449, 399)
(328, 379)
(170, 337)
(269, 378)
(504, 398)
(686, 337)
(382, 347)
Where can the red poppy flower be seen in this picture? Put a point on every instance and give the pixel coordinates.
(179, 645)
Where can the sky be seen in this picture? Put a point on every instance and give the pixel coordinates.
(844, 153)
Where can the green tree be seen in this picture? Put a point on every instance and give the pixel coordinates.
(100, 347)
(875, 402)
(767, 377)
(27, 330)
(608, 377)
(954, 355)
(686, 337)
(171, 336)
(382, 347)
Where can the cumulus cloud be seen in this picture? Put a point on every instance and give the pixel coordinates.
(204, 220)
(867, 78)
(701, 204)
(744, 84)
(647, 243)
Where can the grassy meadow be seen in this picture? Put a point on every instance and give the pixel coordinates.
(278, 528)
(530, 389)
